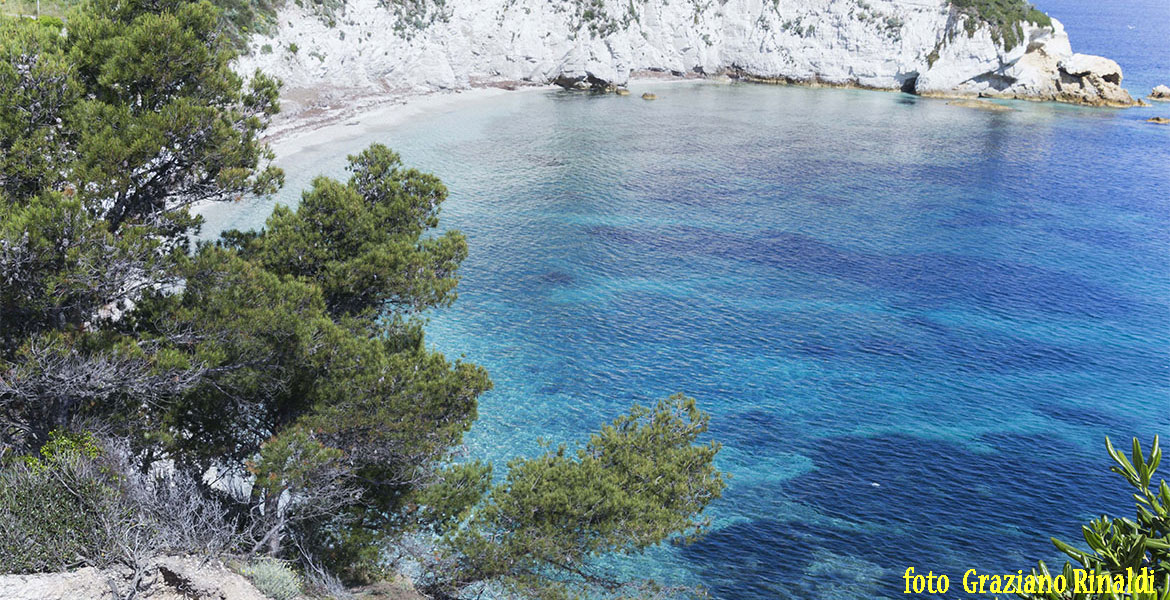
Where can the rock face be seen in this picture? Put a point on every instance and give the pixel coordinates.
(920, 46)
(1043, 67)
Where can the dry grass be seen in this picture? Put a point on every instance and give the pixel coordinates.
(28, 8)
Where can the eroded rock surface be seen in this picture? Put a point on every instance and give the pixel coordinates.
(922, 46)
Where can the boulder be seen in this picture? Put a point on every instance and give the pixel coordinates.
(1084, 65)
(1095, 80)
(572, 82)
(1161, 93)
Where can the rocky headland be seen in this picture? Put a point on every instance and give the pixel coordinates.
(376, 49)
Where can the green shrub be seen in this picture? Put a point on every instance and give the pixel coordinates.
(80, 503)
(1121, 546)
(51, 22)
(266, 49)
(238, 18)
(51, 507)
(274, 579)
(293, 48)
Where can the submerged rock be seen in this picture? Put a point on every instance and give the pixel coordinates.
(981, 105)
(622, 91)
(649, 96)
(1158, 120)
(1161, 93)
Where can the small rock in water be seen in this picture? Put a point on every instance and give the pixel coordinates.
(876, 484)
(1158, 120)
(1161, 92)
(622, 92)
(649, 96)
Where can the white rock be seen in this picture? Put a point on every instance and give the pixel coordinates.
(919, 45)
(1085, 64)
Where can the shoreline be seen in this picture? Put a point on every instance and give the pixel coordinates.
(309, 127)
(291, 132)
(312, 126)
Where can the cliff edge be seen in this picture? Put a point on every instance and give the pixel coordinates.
(929, 47)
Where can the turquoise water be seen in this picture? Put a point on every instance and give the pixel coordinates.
(913, 323)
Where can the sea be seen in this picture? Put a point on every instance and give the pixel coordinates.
(913, 323)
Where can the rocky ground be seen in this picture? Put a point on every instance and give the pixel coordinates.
(167, 578)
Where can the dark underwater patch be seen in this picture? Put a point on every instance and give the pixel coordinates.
(937, 505)
(930, 279)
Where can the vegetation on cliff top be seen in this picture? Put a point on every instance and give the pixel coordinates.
(1004, 17)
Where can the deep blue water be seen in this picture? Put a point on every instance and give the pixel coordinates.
(913, 323)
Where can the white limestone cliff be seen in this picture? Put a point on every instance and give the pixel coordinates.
(920, 46)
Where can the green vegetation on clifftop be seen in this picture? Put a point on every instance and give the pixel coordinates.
(1003, 16)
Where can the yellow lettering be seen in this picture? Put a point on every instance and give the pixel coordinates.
(969, 586)
(996, 584)
(1145, 582)
(1079, 577)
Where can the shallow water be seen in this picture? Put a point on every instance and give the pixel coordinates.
(913, 323)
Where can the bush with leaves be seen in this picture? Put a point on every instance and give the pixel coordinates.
(81, 502)
(641, 480)
(49, 505)
(274, 578)
(1119, 545)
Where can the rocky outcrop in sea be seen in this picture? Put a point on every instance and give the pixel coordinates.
(928, 47)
